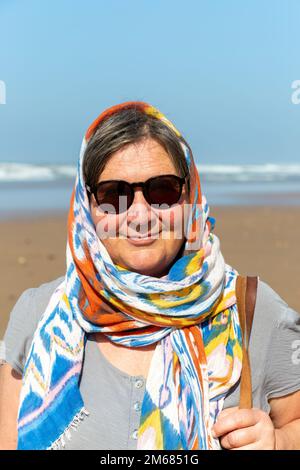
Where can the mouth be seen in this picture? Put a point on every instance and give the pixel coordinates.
(145, 240)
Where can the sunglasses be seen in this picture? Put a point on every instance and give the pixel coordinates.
(118, 195)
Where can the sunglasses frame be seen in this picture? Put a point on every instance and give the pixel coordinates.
(140, 184)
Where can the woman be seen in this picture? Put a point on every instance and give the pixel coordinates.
(138, 346)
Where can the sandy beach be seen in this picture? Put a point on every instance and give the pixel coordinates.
(258, 240)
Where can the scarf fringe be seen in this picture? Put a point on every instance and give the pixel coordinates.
(61, 440)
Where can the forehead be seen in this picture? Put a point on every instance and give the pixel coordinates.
(140, 160)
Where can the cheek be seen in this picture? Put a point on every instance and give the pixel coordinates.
(106, 225)
(173, 219)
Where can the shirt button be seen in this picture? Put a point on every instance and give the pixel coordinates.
(139, 383)
(137, 406)
(134, 435)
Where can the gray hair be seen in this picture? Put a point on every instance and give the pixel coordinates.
(126, 127)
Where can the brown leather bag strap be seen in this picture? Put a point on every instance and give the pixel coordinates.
(251, 292)
(246, 288)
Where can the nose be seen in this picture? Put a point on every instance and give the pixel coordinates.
(140, 216)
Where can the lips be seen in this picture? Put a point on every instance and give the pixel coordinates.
(144, 237)
(141, 237)
(145, 240)
(141, 241)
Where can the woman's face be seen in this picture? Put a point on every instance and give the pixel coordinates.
(153, 257)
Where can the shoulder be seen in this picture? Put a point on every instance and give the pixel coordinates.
(266, 295)
(34, 300)
(272, 309)
(274, 349)
(274, 345)
(23, 320)
(275, 326)
(41, 294)
(273, 318)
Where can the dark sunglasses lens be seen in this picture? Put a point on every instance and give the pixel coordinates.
(164, 190)
(114, 197)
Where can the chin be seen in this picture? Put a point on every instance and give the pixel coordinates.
(145, 262)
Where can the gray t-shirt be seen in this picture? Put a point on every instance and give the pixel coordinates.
(113, 398)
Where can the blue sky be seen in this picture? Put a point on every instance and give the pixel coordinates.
(220, 70)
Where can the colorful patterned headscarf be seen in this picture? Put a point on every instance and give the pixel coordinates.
(191, 314)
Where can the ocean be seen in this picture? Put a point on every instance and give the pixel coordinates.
(38, 189)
